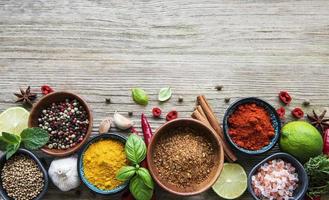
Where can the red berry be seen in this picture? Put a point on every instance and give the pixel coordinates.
(297, 113)
(172, 115)
(281, 112)
(285, 97)
(156, 112)
(46, 89)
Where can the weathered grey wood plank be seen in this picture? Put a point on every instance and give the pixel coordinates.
(102, 49)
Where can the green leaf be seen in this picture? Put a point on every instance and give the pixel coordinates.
(139, 190)
(11, 150)
(135, 149)
(11, 138)
(125, 173)
(3, 144)
(140, 96)
(145, 175)
(34, 138)
(164, 94)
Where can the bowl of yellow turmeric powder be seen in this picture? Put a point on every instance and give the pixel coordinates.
(99, 161)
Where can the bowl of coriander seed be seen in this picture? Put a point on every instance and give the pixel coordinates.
(23, 176)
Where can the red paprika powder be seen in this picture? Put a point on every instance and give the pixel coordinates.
(250, 127)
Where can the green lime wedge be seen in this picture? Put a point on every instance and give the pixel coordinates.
(14, 120)
(232, 182)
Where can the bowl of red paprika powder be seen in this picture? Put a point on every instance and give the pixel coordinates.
(252, 126)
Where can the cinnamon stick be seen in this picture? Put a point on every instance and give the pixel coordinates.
(197, 115)
(213, 121)
(201, 111)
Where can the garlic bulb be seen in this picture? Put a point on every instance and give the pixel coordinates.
(64, 173)
(122, 122)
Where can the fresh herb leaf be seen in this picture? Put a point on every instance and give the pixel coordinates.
(3, 144)
(125, 173)
(11, 150)
(145, 175)
(140, 96)
(164, 94)
(34, 138)
(139, 190)
(11, 138)
(135, 149)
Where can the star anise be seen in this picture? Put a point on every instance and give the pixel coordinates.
(25, 96)
(319, 121)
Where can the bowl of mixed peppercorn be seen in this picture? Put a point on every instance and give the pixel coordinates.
(68, 120)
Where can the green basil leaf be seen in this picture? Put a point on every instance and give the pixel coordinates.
(164, 94)
(34, 138)
(3, 144)
(11, 138)
(140, 96)
(125, 173)
(139, 190)
(135, 149)
(11, 150)
(145, 175)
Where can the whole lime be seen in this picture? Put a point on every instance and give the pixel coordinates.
(301, 140)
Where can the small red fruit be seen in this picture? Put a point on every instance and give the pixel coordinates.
(285, 97)
(156, 112)
(297, 113)
(281, 112)
(46, 89)
(172, 115)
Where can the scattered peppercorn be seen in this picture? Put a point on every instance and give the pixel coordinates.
(219, 87)
(297, 113)
(46, 89)
(180, 99)
(281, 112)
(130, 113)
(227, 100)
(156, 112)
(285, 97)
(108, 100)
(66, 123)
(172, 115)
(21, 178)
(306, 102)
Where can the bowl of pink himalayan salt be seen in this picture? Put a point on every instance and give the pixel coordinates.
(279, 176)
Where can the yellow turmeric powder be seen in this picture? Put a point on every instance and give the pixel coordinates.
(101, 161)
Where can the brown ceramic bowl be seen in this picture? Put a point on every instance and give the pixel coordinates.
(58, 97)
(214, 172)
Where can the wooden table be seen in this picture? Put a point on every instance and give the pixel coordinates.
(101, 49)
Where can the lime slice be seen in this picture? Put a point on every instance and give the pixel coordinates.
(14, 120)
(232, 182)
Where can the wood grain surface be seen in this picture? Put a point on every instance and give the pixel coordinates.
(102, 48)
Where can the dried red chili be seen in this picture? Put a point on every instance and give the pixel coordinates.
(297, 113)
(281, 112)
(172, 115)
(285, 97)
(156, 112)
(46, 89)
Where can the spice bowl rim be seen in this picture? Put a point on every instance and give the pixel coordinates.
(275, 121)
(302, 175)
(54, 97)
(41, 166)
(210, 180)
(116, 190)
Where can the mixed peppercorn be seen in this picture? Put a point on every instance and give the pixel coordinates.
(66, 122)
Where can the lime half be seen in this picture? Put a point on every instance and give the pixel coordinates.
(14, 120)
(232, 182)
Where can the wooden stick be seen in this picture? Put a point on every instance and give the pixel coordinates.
(197, 115)
(202, 101)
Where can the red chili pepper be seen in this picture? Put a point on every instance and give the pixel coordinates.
(297, 113)
(326, 142)
(156, 112)
(46, 89)
(281, 112)
(172, 115)
(285, 97)
(147, 130)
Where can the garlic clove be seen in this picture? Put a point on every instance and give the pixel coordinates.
(122, 122)
(105, 125)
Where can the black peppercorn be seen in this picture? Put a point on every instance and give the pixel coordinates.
(108, 100)
(227, 99)
(219, 87)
